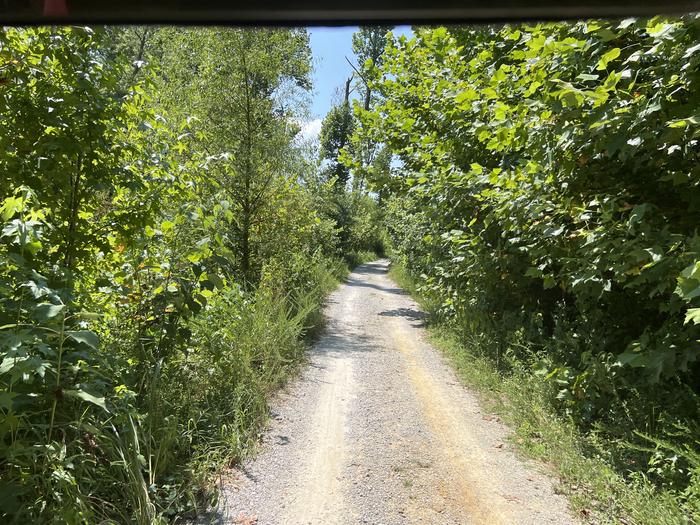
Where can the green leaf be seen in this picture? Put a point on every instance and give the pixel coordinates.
(626, 23)
(689, 282)
(632, 358)
(85, 396)
(693, 314)
(691, 50)
(86, 337)
(217, 281)
(586, 76)
(6, 400)
(658, 29)
(549, 282)
(46, 311)
(606, 34)
(88, 316)
(466, 96)
(607, 58)
(533, 272)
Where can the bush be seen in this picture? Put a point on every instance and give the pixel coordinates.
(548, 200)
(154, 287)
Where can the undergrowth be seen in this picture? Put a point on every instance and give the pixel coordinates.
(245, 353)
(527, 403)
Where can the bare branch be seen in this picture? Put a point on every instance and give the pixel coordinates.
(357, 71)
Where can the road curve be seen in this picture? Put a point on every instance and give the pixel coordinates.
(378, 430)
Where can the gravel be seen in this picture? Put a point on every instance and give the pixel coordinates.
(378, 430)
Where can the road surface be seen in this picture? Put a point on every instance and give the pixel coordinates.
(378, 430)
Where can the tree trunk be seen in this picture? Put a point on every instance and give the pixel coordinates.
(245, 247)
(346, 100)
(74, 207)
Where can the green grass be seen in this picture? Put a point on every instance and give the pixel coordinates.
(523, 400)
(214, 401)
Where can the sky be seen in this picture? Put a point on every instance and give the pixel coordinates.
(330, 46)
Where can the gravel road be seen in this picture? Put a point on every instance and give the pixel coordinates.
(378, 430)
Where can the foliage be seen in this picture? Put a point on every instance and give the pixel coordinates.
(345, 157)
(336, 129)
(163, 255)
(48, 372)
(62, 117)
(368, 44)
(364, 156)
(547, 195)
(242, 121)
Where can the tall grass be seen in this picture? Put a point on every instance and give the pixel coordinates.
(213, 400)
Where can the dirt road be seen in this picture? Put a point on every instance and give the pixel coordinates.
(378, 430)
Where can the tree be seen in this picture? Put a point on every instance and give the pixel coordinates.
(336, 129)
(361, 154)
(64, 115)
(369, 44)
(229, 80)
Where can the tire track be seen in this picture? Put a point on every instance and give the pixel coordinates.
(378, 430)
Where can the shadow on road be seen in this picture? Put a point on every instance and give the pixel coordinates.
(356, 282)
(374, 268)
(407, 313)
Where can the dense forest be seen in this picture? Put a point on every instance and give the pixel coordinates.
(168, 239)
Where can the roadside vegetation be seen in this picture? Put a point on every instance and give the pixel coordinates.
(543, 202)
(168, 237)
(167, 240)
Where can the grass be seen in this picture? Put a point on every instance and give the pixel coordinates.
(252, 351)
(213, 401)
(523, 400)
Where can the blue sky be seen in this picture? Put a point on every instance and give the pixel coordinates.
(330, 46)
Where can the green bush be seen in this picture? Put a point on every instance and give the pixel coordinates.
(154, 288)
(547, 199)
